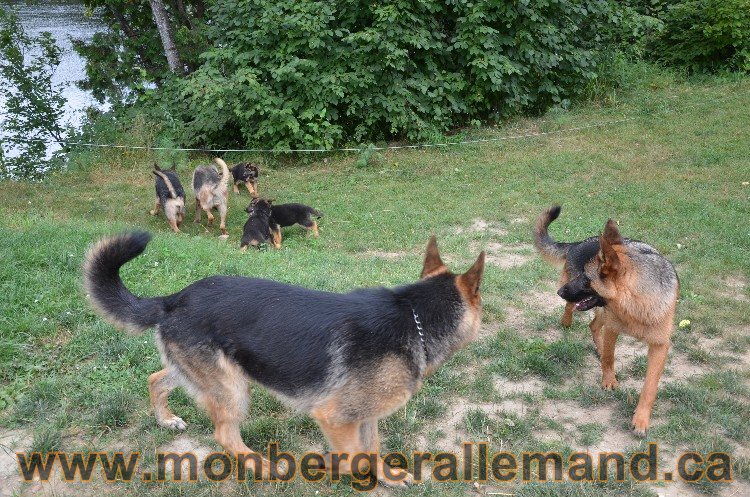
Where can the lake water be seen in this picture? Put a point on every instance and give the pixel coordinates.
(64, 19)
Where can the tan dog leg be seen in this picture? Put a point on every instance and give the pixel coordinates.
(609, 339)
(596, 328)
(251, 188)
(160, 384)
(316, 234)
(657, 358)
(223, 218)
(567, 317)
(234, 188)
(197, 211)
(155, 210)
(276, 237)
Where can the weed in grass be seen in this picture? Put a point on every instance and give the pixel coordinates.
(46, 439)
(590, 434)
(113, 409)
(637, 368)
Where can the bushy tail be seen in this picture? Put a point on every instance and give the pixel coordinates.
(224, 170)
(165, 178)
(316, 213)
(552, 251)
(108, 295)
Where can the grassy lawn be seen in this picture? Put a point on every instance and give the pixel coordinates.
(675, 176)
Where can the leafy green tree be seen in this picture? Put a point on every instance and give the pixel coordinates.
(128, 56)
(33, 104)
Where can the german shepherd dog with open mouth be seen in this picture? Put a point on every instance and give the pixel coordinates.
(632, 288)
(169, 196)
(345, 359)
(211, 192)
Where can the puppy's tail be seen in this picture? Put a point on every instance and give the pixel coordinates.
(224, 170)
(159, 173)
(552, 251)
(108, 295)
(316, 213)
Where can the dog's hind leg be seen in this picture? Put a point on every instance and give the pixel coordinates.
(197, 210)
(160, 384)
(155, 210)
(223, 218)
(252, 188)
(657, 358)
(276, 236)
(312, 225)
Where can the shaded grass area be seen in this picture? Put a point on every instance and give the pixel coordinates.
(673, 177)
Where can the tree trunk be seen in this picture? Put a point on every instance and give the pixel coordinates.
(170, 49)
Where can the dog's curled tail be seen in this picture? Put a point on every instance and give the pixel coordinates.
(159, 173)
(106, 291)
(224, 170)
(552, 251)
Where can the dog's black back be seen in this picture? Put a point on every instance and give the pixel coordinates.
(290, 214)
(162, 190)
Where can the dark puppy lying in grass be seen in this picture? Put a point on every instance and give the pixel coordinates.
(346, 359)
(290, 214)
(260, 227)
(170, 196)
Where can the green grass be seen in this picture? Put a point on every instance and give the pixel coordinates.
(671, 176)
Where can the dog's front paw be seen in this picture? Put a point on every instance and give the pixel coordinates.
(173, 423)
(640, 424)
(609, 381)
(401, 479)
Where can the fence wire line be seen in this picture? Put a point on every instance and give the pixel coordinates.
(347, 149)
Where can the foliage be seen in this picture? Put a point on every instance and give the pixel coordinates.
(706, 35)
(317, 74)
(33, 103)
(128, 57)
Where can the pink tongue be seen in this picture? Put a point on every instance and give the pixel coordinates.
(580, 305)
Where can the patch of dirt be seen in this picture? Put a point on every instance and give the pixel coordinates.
(514, 318)
(545, 301)
(482, 226)
(379, 254)
(507, 256)
(679, 368)
(11, 441)
(183, 444)
(735, 287)
(527, 386)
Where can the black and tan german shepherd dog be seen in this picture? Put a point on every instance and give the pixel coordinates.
(170, 196)
(260, 227)
(245, 173)
(632, 289)
(345, 359)
(291, 214)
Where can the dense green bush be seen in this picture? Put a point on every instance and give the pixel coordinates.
(318, 73)
(706, 35)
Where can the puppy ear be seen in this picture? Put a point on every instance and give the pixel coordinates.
(472, 278)
(609, 257)
(433, 264)
(156, 167)
(270, 200)
(248, 208)
(174, 167)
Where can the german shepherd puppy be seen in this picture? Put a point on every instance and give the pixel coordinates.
(170, 196)
(347, 360)
(260, 227)
(632, 288)
(246, 173)
(291, 214)
(211, 192)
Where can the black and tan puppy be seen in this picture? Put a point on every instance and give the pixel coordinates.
(632, 288)
(347, 360)
(210, 188)
(169, 196)
(246, 173)
(259, 227)
(291, 214)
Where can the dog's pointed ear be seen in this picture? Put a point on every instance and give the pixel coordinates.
(270, 200)
(610, 259)
(433, 264)
(156, 167)
(472, 278)
(174, 167)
